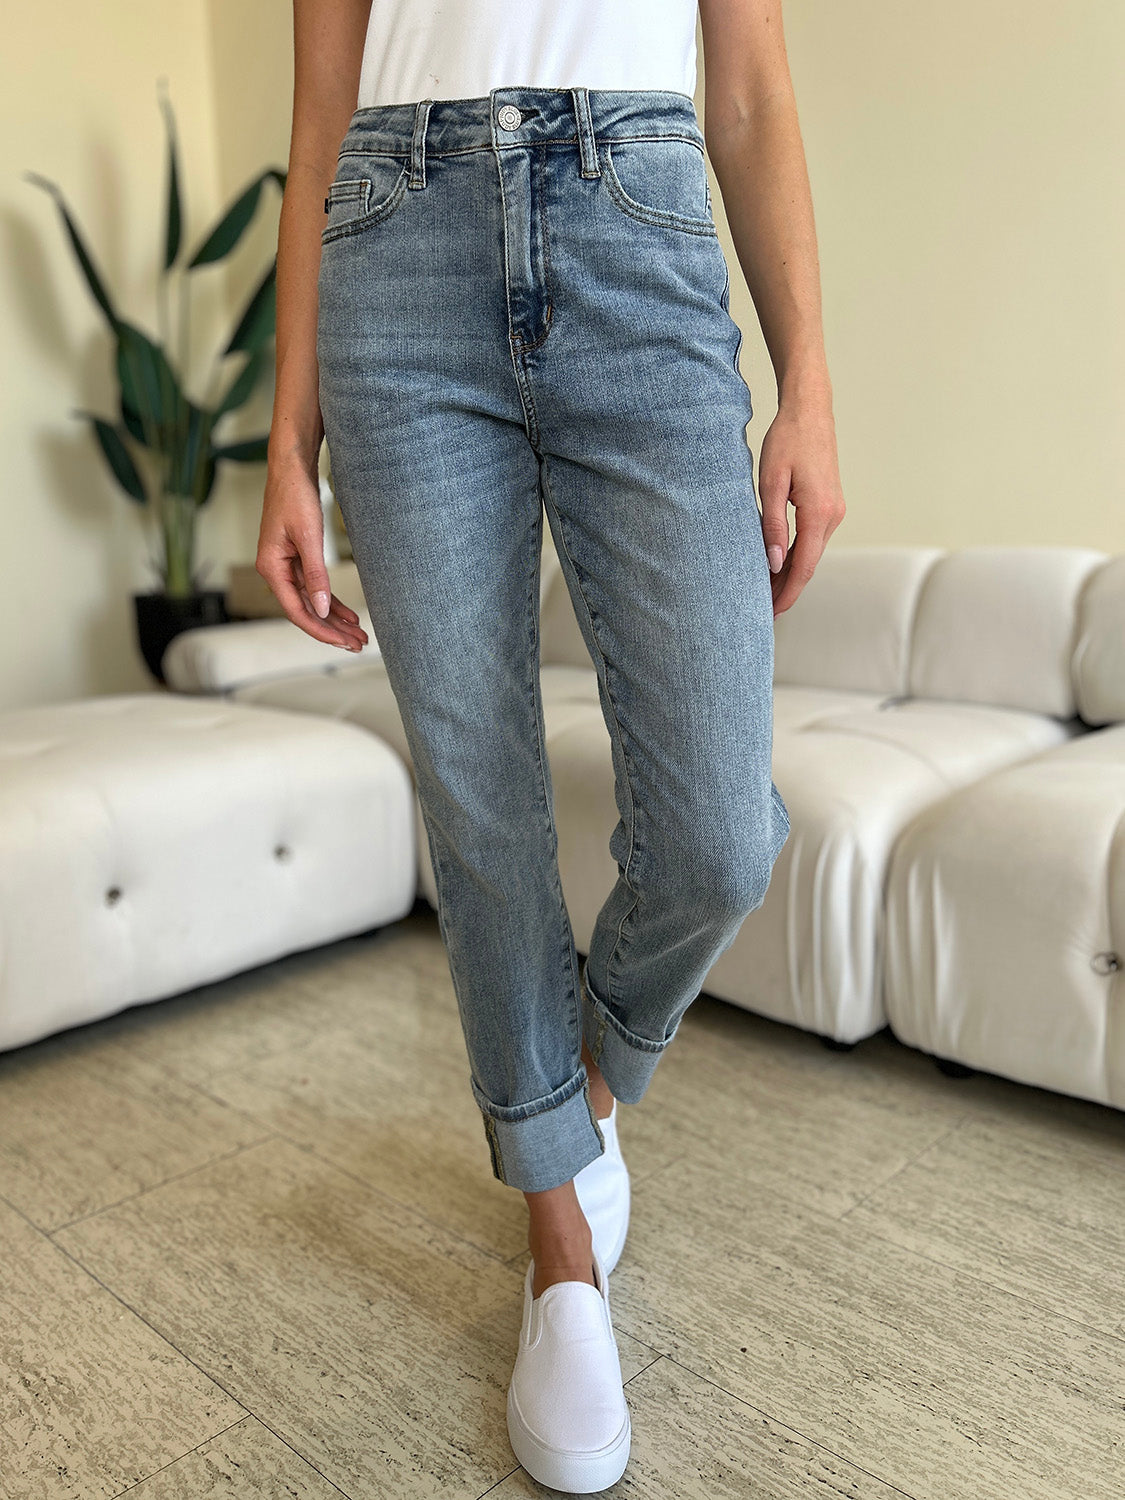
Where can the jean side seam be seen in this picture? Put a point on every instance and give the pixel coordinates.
(439, 883)
(536, 692)
(491, 1137)
(608, 1020)
(625, 759)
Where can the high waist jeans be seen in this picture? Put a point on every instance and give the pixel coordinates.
(523, 307)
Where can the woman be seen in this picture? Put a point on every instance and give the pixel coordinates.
(500, 292)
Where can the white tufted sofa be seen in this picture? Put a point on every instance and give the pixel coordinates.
(151, 842)
(950, 743)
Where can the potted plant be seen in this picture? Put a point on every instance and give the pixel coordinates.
(162, 449)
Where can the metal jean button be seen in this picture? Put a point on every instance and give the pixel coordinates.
(509, 116)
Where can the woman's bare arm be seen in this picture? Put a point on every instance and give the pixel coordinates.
(328, 37)
(754, 142)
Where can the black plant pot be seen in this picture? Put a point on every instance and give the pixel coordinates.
(160, 618)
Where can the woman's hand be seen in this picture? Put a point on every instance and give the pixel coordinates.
(291, 557)
(798, 465)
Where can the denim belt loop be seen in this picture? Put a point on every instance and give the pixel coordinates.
(418, 144)
(587, 145)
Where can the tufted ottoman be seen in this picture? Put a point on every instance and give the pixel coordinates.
(152, 842)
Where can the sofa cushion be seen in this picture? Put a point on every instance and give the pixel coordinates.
(1006, 922)
(1099, 650)
(850, 629)
(957, 742)
(797, 707)
(361, 693)
(213, 658)
(997, 625)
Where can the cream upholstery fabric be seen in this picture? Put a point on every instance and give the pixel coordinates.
(997, 625)
(851, 628)
(152, 842)
(213, 657)
(1099, 651)
(1006, 922)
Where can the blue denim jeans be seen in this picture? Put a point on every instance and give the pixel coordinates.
(523, 307)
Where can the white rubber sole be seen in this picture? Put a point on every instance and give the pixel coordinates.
(580, 1473)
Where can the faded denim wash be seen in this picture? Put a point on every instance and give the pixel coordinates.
(523, 306)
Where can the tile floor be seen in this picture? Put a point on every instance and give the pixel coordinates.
(251, 1246)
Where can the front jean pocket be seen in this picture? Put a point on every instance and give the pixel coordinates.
(366, 191)
(662, 181)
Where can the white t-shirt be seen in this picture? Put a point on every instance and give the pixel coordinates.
(461, 49)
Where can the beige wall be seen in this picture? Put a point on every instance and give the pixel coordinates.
(965, 170)
(79, 104)
(965, 161)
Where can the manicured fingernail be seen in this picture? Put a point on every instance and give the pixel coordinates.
(321, 603)
(776, 557)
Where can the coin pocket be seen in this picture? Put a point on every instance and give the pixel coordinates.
(364, 193)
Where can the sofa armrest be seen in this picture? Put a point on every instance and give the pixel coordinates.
(217, 658)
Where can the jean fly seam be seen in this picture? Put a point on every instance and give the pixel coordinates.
(625, 758)
(526, 346)
(547, 277)
(530, 416)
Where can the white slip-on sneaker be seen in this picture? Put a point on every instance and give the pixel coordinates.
(604, 1194)
(568, 1421)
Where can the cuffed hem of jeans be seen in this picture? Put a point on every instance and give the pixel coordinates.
(627, 1061)
(543, 1144)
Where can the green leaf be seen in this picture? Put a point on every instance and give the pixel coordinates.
(191, 454)
(250, 451)
(231, 227)
(174, 226)
(85, 260)
(118, 457)
(210, 471)
(242, 386)
(150, 392)
(259, 320)
(131, 421)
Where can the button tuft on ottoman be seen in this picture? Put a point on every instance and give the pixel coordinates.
(150, 843)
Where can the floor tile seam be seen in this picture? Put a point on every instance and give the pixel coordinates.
(978, 1114)
(44, 1234)
(1044, 1309)
(788, 1427)
(180, 1457)
(389, 1198)
(154, 1187)
(656, 1359)
(163, 1337)
(502, 1480)
(238, 1421)
(343, 1030)
(169, 1070)
(905, 1166)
